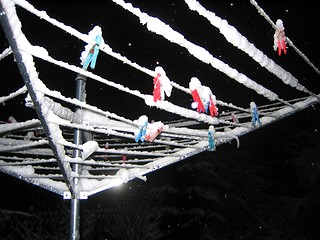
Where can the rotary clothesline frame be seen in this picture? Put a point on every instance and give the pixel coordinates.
(49, 161)
(77, 158)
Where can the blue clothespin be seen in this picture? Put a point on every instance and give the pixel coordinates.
(255, 115)
(142, 133)
(211, 143)
(93, 54)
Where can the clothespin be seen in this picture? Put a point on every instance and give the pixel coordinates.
(11, 119)
(154, 129)
(93, 54)
(197, 99)
(161, 85)
(234, 118)
(213, 108)
(157, 88)
(106, 146)
(211, 142)
(142, 133)
(124, 156)
(255, 115)
(196, 89)
(280, 41)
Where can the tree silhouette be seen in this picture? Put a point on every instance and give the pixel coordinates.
(42, 223)
(131, 221)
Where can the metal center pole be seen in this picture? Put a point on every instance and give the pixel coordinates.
(77, 139)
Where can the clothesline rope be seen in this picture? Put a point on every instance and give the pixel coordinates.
(300, 53)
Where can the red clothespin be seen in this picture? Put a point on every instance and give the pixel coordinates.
(213, 108)
(124, 156)
(11, 119)
(234, 118)
(157, 88)
(154, 130)
(280, 41)
(282, 46)
(197, 99)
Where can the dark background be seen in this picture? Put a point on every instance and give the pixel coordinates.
(266, 189)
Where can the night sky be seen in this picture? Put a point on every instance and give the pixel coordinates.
(272, 180)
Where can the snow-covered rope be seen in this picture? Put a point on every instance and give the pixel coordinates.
(58, 109)
(23, 146)
(184, 112)
(113, 151)
(19, 159)
(230, 105)
(105, 48)
(84, 37)
(292, 101)
(26, 162)
(43, 53)
(20, 91)
(164, 105)
(219, 102)
(109, 131)
(84, 105)
(234, 37)
(268, 19)
(5, 53)
(155, 25)
(68, 114)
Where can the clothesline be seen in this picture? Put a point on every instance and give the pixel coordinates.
(300, 53)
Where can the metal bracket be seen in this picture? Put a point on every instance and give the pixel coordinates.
(81, 196)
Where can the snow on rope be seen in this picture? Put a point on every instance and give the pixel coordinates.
(164, 105)
(234, 37)
(155, 25)
(268, 19)
(5, 53)
(26, 47)
(12, 95)
(104, 47)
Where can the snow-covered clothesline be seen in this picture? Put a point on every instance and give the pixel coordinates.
(155, 25)
(114, 130)
(164, 105)
(107, 49)
(300, 53)
(234, 37)
(176, 110)
(5, 148)
(42, 53)
(12, 95)
(5, 53)
(99, 116)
